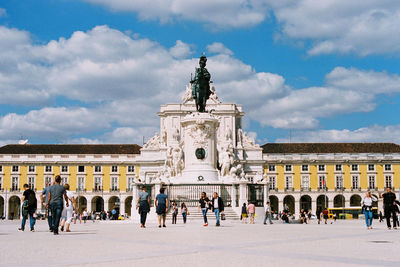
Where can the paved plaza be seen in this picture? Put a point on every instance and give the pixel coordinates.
(121, 243)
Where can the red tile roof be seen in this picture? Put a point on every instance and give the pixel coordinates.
(323, 148)
(70, 149)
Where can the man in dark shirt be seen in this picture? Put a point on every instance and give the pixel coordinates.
(55, 201)
(388, 206)
(217, 207)
(29, 205)
(161, 206)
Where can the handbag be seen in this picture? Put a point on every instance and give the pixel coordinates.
(223, 216)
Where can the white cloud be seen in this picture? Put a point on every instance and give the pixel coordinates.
(374, 133)
(51, 123)
(122, 82)
(180, 50)
(362, 27)
(219, 48)
(218, 13)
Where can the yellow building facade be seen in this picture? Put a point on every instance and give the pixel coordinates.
(295, 176)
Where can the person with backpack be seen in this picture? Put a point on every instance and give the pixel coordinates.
(29, 205)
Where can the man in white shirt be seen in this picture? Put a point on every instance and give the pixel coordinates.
(267, 213)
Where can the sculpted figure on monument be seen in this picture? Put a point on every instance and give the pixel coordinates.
(177, 161)
(225, 160)
(154, 142)
(201, 85)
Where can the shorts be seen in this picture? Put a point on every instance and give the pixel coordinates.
(326, 217)
(67, 215)
(160, 210)
(244, 215)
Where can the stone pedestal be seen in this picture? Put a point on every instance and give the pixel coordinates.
(200, 152)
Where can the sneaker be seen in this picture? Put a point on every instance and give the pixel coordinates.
(32, 230)
(206, 224)
(164, 225)
(395, 228)
(20, 229)
(265, 223)
(217, 224)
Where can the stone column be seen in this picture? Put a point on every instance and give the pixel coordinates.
(296, 207)
(242, 192)
(313, 205)
(266, 193)
(88, 204)
(233, 195)
(134, 200)
(122, 206)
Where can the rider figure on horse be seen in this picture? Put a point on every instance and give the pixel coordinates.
(201, 85)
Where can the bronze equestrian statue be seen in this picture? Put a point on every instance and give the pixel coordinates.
(201, 85)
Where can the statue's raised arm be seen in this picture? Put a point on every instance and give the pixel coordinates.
(201, 85)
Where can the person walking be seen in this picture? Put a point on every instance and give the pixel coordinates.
(318, 214)
(251, 210)
(367, 208)
(67, 213)
(44, 197)
(56, 194)
(28, 208)
(326, 215)
(244, 213)
(143, 206)
(217, 207)
(267, 213)
(388, 206)
(84, 215)
(161, 207)
(204, 204)
(184, 211)
(175, 211)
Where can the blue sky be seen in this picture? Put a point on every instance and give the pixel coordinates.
(96, 71)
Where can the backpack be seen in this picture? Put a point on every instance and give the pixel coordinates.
(32, 199)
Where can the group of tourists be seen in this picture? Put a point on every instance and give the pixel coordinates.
(60, 206)
(59, 202)
(161, 204)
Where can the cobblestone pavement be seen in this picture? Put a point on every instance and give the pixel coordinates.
(344, 243)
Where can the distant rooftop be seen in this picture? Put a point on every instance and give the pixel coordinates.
(70, 149)
(328, 148)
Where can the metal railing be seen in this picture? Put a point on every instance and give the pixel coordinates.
(190, 194)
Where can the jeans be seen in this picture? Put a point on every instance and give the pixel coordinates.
(216, 211)
(143, 216)
(267, 216)
(31, 219)
(204, 211)
(368, 218)
(184, 215)
(56, 210)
